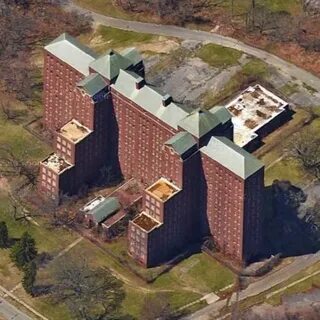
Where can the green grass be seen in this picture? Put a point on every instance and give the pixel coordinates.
(291, 6)
(136, 290)
(122, 38)
(47, 241)
(289, 89)
(218, 56)
(105, 7)
(255, 67)
(286, 169)
(199, 272)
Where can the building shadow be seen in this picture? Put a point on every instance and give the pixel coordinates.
(284, 231)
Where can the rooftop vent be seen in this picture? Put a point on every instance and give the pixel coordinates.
(166, 100)
(140, 82)
(111, 53)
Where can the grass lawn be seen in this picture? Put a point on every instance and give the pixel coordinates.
(46, 240)
(104, 38)
(256, 67)
(107, 7)
(218, 56)
(136, 290)
(286, 169)
(199, 272)
(121, 38)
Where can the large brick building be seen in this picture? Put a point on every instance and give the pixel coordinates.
(103, 114)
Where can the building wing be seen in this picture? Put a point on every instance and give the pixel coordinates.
(232, 157)
(72, 52)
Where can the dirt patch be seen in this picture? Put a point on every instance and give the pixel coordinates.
(159, 47)
(4, 184)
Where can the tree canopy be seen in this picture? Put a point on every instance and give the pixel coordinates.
(24, 250)
(89, 293)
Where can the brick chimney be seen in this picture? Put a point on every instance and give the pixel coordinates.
(166, 100)
(140, 82)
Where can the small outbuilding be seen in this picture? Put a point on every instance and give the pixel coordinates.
(99, 210)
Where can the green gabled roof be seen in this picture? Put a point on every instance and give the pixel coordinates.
(221, 113)
(105, 209)
(92, 84)
(110, 64)
(72, 52)
(199, 122)
(232, 157)
(149, 98)
(132, 54)
(181, 142)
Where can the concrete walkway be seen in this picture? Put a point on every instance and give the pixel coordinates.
(189, 34)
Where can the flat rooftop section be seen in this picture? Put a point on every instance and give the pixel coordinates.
(252, 110)
(145, 222)
(56, 163)
(92, 204)
(163, 189)
(74, 131)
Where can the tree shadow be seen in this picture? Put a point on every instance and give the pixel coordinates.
(284, 232)
(43, 259)
(12, 242)
(42, 290)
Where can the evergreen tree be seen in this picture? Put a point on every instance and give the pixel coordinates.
(4, 237)
(24, 251)
(29, 277)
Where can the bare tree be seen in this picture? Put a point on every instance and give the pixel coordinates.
(9, 112)
(59, 215)
(17, 210)
(14, 165)
(88, 293)
(305, 148)
(157, 307)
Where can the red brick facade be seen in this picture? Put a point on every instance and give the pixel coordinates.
(117, 132)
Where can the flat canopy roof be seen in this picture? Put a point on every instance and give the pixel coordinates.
(251, 110)
(146, 222)
(163, 189)
(74, 131)
(56, 163)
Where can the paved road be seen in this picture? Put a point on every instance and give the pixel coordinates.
(188, 34)
(266, 283)
(10, 312)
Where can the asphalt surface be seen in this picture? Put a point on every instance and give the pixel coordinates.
(10, 312)
(266, 283)
(189, 34)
